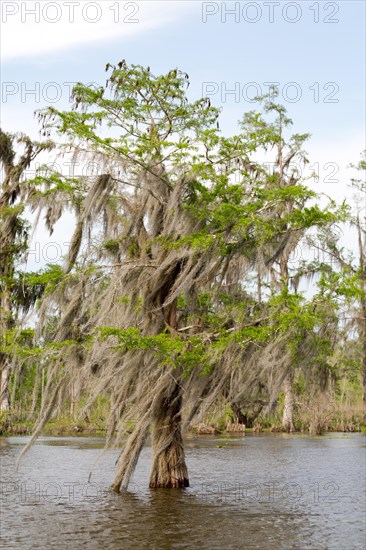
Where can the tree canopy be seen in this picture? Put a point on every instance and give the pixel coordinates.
(176, 289)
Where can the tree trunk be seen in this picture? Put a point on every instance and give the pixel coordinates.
(362, 247)
(35, 393)
(4, 388)
(130, 454)
(362, 329)
(246, 418)
(169, 468)
(5, 325)
(15, 383)
(241, 417)
(364, 380)
(288, 408)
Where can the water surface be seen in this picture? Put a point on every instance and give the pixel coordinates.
(260, 491)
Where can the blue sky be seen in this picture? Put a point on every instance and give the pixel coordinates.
(325, 60)
(314, 50)
(170, 34)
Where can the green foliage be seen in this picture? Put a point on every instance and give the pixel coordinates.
(234, 212)
(49, 276)
(170, 350)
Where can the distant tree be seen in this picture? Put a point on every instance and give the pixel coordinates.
(13, 238)
(344, 274)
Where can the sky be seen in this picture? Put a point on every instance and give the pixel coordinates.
(314, 51)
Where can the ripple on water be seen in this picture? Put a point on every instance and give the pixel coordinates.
(266, 492)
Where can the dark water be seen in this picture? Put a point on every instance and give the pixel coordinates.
(261, 491)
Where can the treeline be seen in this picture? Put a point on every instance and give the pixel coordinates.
(179, 302)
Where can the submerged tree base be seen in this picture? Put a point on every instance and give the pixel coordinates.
(170, 484)
(169, 468)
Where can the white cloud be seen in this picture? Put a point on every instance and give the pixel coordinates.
(31, 29)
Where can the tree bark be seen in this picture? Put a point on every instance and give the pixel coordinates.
(130, 454)
(363, 336)
(5, 325)
(362, 246)
(364, 375)
(169, 468)
(288, 408)
(246, 418)
(4, 388)
(35, 393)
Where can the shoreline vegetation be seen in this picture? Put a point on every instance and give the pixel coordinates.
(342, 419)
